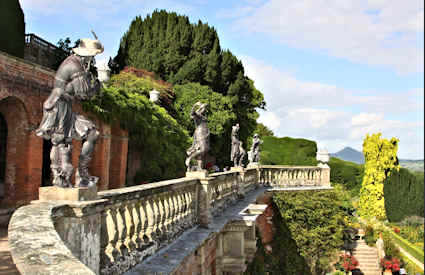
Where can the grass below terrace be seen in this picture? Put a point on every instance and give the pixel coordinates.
(406, 245)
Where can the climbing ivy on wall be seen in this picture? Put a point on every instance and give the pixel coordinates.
(160, 140)
(380, 159)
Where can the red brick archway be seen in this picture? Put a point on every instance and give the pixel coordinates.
(19, 162)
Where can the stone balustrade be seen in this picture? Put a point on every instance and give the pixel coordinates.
(139, 220)
(294, 176)
(121, 227)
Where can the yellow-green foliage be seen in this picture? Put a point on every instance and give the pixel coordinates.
(380, 158)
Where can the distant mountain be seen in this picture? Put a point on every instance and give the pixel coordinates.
(414, 165)
(349, 154)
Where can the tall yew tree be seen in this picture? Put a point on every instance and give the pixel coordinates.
(181, 52)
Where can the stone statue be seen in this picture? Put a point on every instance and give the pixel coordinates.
(237, 152)
(254, 153)
(201, 137)
(73, 80)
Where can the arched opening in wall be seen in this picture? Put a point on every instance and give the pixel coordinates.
(3, 144)
(46, 174)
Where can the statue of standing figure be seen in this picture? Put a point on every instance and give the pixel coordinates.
(237, 153)
(73, 80)
(201, 137)
(254, 153)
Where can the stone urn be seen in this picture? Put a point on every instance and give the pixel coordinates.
(322, 156)
(103, 73)
(154, 96)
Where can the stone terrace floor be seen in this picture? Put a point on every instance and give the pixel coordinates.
(7, 267)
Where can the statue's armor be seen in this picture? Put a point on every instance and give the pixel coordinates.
(255, 150)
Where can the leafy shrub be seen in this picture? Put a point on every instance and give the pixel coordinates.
(288, 151)
(404, 195)
(316, 224)
(159, 138)
(347, 173)
(370, 236)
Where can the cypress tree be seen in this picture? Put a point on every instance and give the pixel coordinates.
(12, 28)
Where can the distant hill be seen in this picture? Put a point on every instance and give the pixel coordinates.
(349, 154)
(414, 165)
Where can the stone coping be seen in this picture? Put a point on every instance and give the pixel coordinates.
(168, 259)
(147, 189)
(36, 246)
(288, 167)
(276, 188)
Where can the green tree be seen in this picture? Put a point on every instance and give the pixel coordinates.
(181, 53)
(380, 159)
(12, 28)
(316, 224)
(263, 130)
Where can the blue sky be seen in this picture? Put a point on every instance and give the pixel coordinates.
(330, 70)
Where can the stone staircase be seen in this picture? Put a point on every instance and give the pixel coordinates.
(367, 257)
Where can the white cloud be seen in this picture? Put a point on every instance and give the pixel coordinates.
(281, 88)
(335, 117)
(379, 33)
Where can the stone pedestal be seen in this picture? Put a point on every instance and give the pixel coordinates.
(197, 174)
(55, 193)
(237, 169)
(253, 165)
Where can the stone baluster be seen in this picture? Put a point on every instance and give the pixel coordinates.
(157, 219)
(129, 220)
(122, 230)
(111, 252)
(138, 225)
(150, 222)
(165, 202)
(144, 233)
(161, 218)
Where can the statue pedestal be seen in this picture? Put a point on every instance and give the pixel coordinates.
(253, 165)
(55, 193)
(197, 174)
(237, 169)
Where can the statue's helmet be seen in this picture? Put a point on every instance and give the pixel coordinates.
(255, 135)
(88, 47)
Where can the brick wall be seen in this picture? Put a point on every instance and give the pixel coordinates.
(24, 86)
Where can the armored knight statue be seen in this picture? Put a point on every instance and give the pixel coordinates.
(236, 154)
(201, 137)
(73, 81)
(254, 153)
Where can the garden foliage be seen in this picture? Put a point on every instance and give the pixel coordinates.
(288, 151)
(316, 223)
(181, 52)
(404, 195)
(12, 28)
(347, 173)
(159, 138)
(380, 159)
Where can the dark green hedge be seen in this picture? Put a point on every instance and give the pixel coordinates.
(12, 28)
(404, 195)
(347, 173)
(288, 151)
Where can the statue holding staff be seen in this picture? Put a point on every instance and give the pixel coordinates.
(73, 81)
